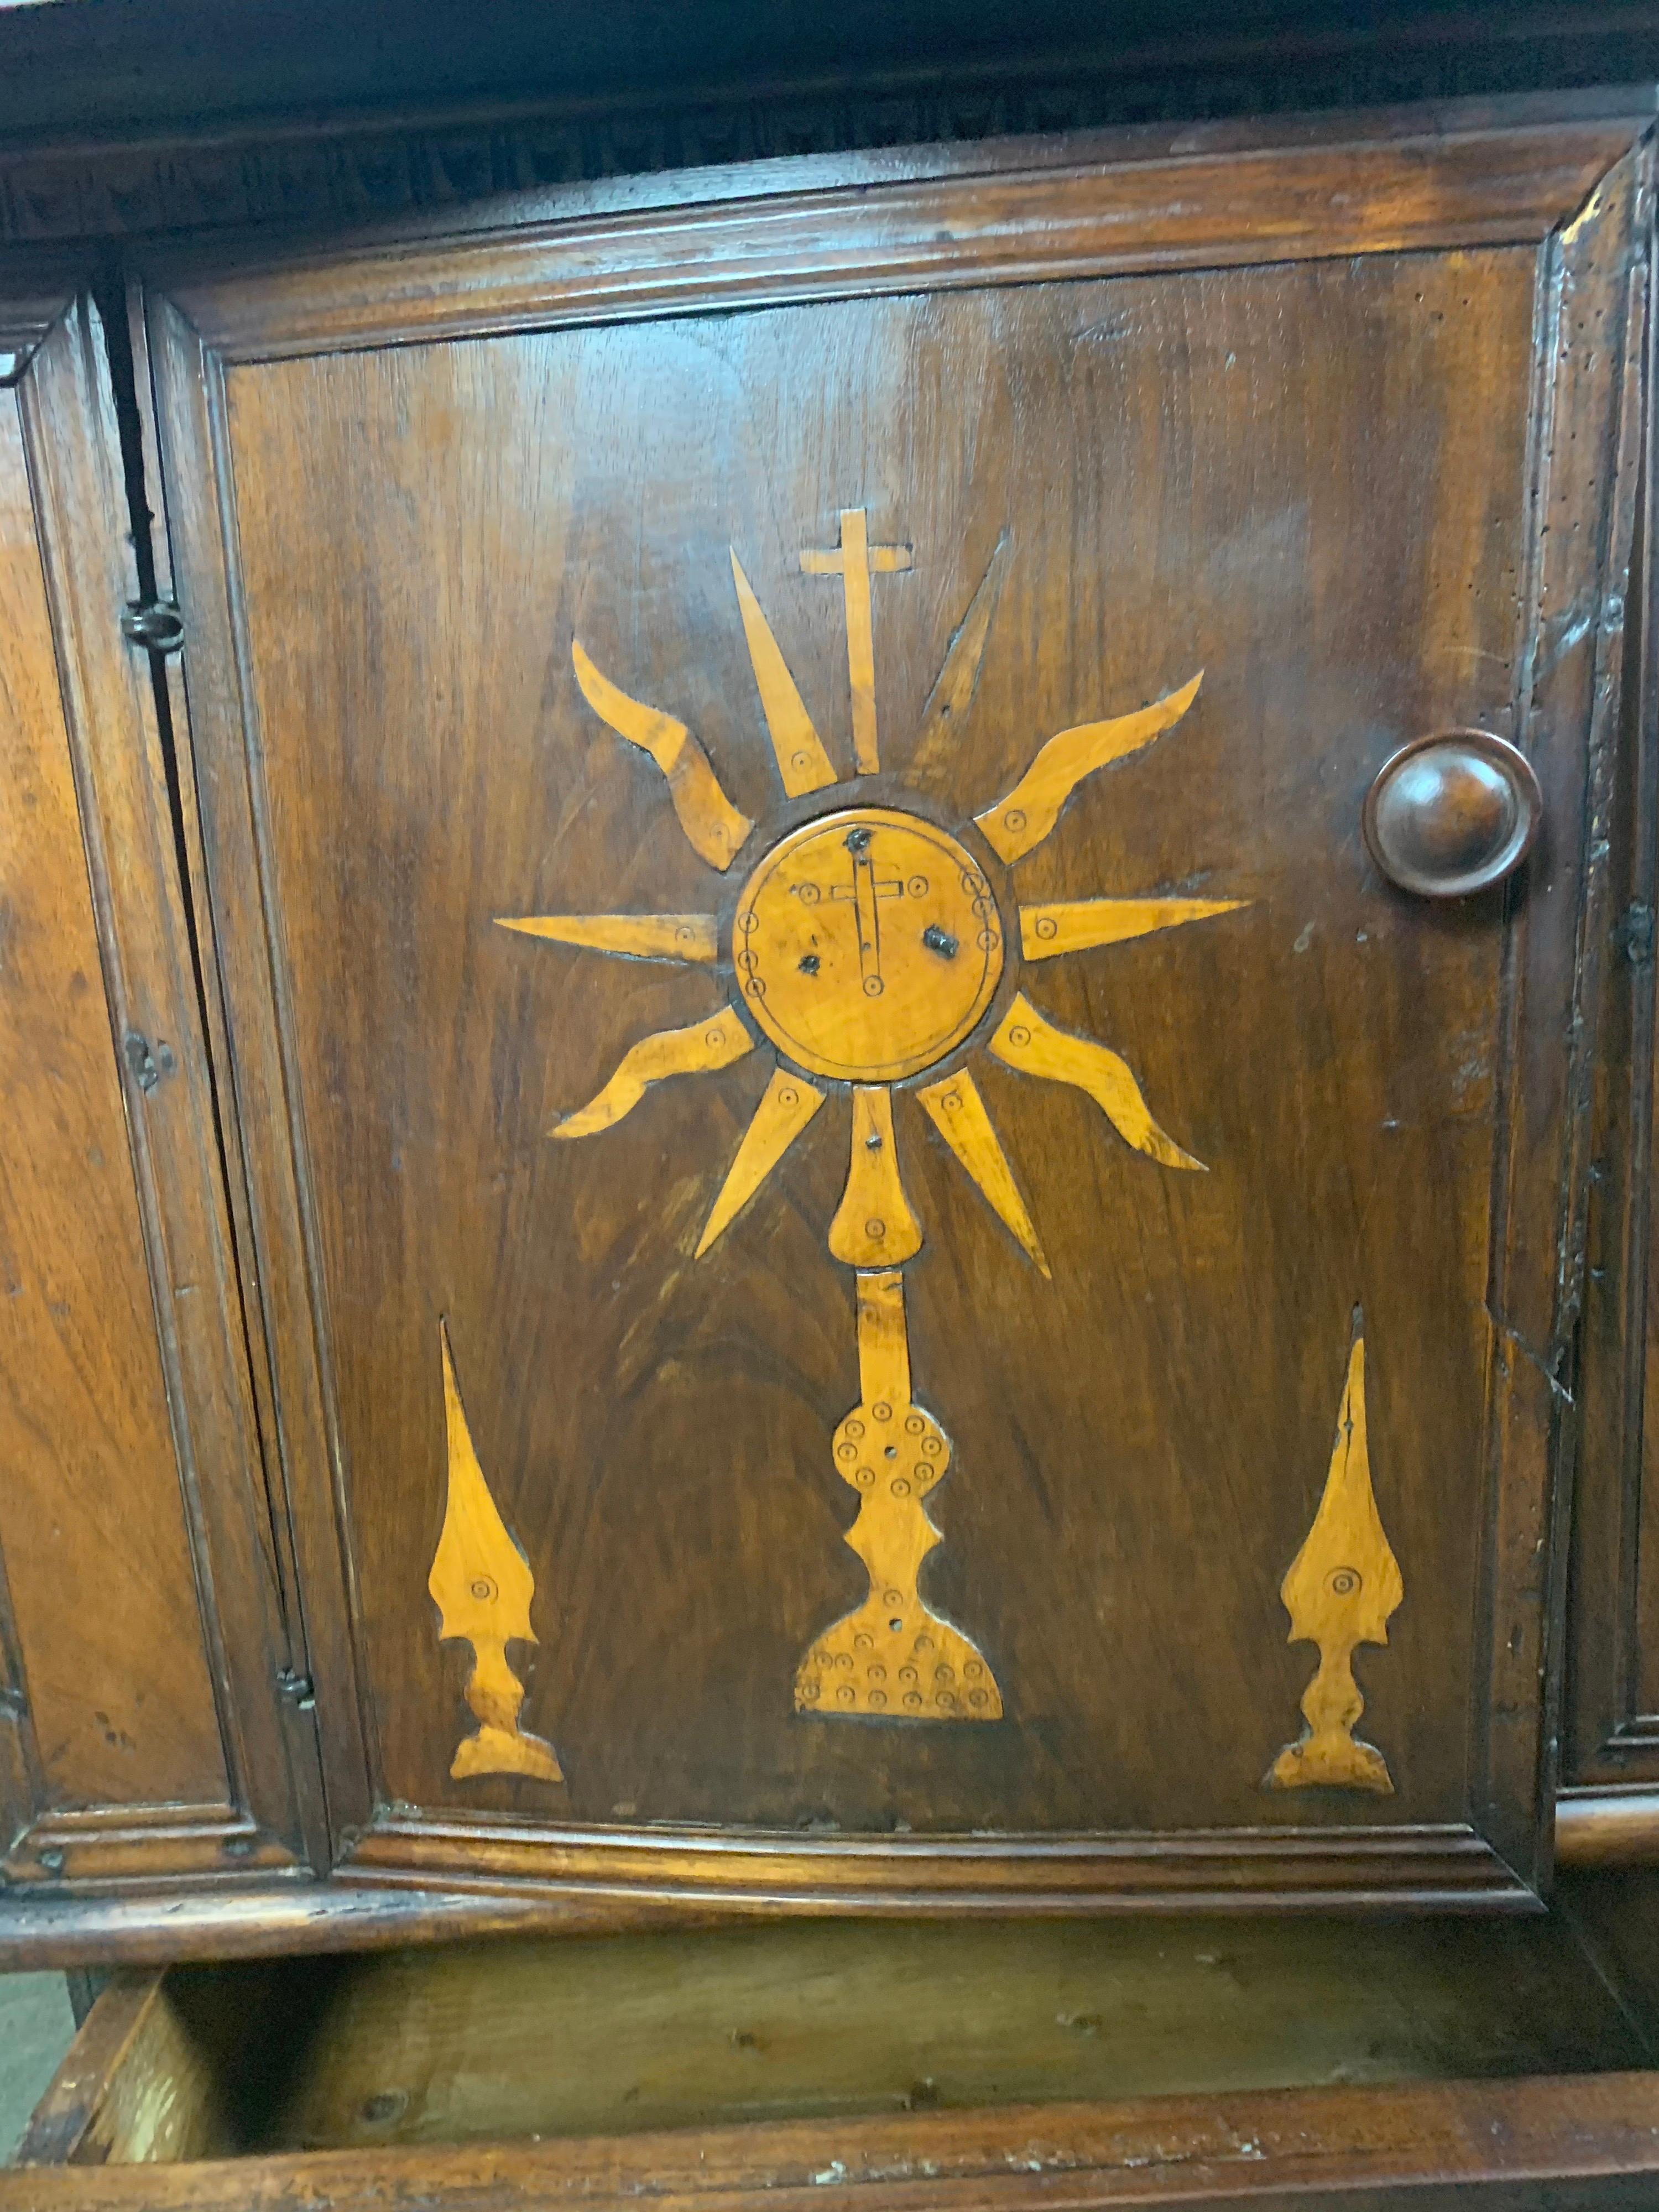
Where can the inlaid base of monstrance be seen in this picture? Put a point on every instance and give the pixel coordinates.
(869, 949)
(894, 1658)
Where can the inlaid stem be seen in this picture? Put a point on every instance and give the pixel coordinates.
(894, 1658)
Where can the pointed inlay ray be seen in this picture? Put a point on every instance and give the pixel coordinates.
(934, 756)
(957, 1112)
(1027, 1041)
(690, 937)
(713, 826)
(698, 1049)
(787, 1104)
(1016, 824)
(873, 1225)
(1077, 925)
(483, 1587)
(802, 762)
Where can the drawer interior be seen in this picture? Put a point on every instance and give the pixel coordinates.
(538, 2038)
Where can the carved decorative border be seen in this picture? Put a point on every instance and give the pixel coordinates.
(143, 1843)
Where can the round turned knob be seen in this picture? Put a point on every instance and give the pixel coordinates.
(1453, 813)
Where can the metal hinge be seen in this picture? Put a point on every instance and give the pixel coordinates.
(156, 624)
(1633, 935)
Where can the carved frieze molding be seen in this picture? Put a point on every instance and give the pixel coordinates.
(357, 170)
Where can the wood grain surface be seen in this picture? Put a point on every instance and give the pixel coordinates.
(112, 1695)
(604, 2036)
(1537, 2146)
(1316, 481)
(1312, 2063)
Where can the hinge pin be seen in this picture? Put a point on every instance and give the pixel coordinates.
(155, 624)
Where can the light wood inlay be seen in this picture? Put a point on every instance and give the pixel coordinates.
(867, 943)
(787, 1104)
(1079, 925)
(713, 826)
(854, 560)
(697, 1049)
(483, 1587)
(1017, 823)
(1341, 1588)
(893, 1657)
(1026, 1041)
(693, 938)
(957, 1111)
(802, 762)
(874, 1226)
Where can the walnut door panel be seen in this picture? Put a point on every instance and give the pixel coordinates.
(141, 1733)
(836, 1116)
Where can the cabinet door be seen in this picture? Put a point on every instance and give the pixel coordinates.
(896, 1272)
(140, 1735)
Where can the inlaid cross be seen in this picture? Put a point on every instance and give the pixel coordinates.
(854, 560)
(865, 891)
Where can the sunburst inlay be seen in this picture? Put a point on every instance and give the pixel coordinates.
(867, 949)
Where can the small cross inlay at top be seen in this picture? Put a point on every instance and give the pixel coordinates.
(855, 560)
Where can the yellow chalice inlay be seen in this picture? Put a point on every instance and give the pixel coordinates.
(869, 948)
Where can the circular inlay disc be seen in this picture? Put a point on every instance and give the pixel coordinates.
(867, 945)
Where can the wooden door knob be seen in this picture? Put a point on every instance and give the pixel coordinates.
(1453, 813)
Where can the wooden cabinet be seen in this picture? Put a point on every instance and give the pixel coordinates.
(684, 699)
(823, 1108)
(1227, 2062)
(833, 1125)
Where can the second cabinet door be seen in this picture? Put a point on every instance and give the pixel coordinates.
(894, 1267)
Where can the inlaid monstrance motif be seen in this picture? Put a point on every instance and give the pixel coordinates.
(869, 948)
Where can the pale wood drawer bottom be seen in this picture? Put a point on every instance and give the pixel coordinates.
(1151, 2061)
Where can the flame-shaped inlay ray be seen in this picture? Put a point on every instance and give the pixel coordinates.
(713, 828)
(1025, 1041)
(1016, 825)
(694, 1050)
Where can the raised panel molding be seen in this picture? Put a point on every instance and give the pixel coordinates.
(1575, 197)
(193, 1704)
(1611, 1718)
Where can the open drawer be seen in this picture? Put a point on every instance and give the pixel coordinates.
(1188, 2060)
